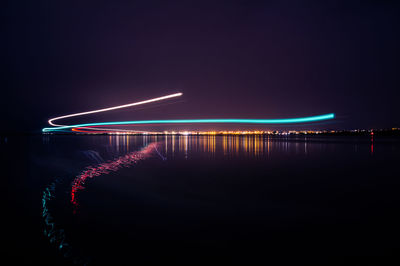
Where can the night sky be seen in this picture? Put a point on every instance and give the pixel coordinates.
(233, 59)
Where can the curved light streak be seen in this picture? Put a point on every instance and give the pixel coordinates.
(204, 121)
(51, 120)
(93, 126)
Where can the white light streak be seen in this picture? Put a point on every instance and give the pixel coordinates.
(51, 120)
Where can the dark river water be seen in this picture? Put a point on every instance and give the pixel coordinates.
(211, 199)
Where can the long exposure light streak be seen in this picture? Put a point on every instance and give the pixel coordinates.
(113, 108)
(99, 127)
(203, 121)
(51, 121)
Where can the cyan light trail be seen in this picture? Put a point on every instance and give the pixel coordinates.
(92, 126)
(202, 121)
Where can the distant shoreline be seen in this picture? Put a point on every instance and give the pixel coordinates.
(360, 132)
(393, 132)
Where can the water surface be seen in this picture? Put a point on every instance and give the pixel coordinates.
(119, 199)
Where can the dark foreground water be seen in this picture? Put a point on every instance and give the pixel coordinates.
(125, 200)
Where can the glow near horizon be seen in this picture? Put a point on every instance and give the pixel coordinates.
(204, 121)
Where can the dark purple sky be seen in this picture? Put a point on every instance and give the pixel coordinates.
(233, 59)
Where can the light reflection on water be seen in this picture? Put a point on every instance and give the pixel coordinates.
(106, 167)
(248, 146)
(228, 145)
(52, 230)
(172, 147)
(255, 146)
